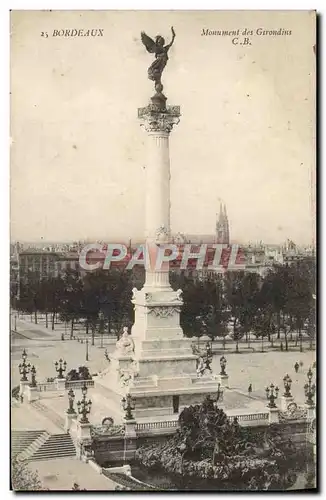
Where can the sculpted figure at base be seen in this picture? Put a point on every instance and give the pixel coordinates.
(125, 344)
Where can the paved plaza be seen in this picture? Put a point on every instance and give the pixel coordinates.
(61, 474)
(44, 347)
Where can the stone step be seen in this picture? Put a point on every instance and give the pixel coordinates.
(34, 446)
(20, 440)
(58, 445)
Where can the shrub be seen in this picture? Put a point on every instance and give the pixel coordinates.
(15, 392)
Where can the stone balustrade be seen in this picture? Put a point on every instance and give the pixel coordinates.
(149, 426)
(250, 417)
(47, 386)
(78, 384)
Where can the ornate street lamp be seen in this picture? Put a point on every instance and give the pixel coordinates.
(310, 389)
(84, 406)
(71, 398)
(60, 367)
(271, 394)
(128, 405)
(223, 365)
(287, 386)
(24, 367)
(33, 377)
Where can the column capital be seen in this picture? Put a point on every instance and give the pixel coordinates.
(159, 122)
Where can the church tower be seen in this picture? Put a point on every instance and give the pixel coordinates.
(222, 226)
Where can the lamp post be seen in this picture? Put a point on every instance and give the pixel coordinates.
(101, 326)
(287, 386)
(60, 367)
(71, 398)
(309, 389)
(33, 377)
(223, 365)
(84, 406)
(300, 340)
(272, 394)
(128, 405)
(24, 367)
(87, 359)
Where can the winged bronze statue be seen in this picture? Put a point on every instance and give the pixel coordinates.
(160, 50)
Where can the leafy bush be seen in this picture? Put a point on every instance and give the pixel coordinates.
(83, 373)
(23, 479)
(209, 446)
(15, 392)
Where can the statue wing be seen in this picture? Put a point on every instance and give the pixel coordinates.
(148, 42)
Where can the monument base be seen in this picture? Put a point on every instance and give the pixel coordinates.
(162, 380)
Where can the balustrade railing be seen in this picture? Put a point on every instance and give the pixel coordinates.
(249, 417)
(78, 384)
(47, 386)
(147, 426)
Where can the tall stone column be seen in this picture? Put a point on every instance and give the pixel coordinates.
(158, 125)
(157, 306)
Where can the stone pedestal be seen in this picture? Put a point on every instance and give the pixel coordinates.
(224, 381)
(130, 428)
(311, 411)
(31, 393)
(285, 401)
(83, 431)
(69, 418)
(23, 384)
(61, 384)
(273, 415)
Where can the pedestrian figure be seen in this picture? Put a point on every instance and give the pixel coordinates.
(296, 367)
(301, 364)
(107, 355)
(21, 398)
(281, 346)
(250, 389)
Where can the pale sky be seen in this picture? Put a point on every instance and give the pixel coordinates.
(246, 135)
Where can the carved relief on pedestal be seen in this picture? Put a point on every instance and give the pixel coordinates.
(162, 234)
(148, 297)
(178, 296)
(164, 312)
(126, 344)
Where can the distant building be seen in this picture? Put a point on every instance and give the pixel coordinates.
(222, 227)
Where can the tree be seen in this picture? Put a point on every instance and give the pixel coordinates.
(241, 291)
(23, 479)
(72, 298)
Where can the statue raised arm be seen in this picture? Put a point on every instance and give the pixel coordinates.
(160, 50)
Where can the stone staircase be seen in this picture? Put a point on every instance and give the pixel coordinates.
(34, 446)
(21, 440)
(50, 414)
(56, 446)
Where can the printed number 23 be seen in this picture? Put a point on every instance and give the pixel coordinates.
(44, 33)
